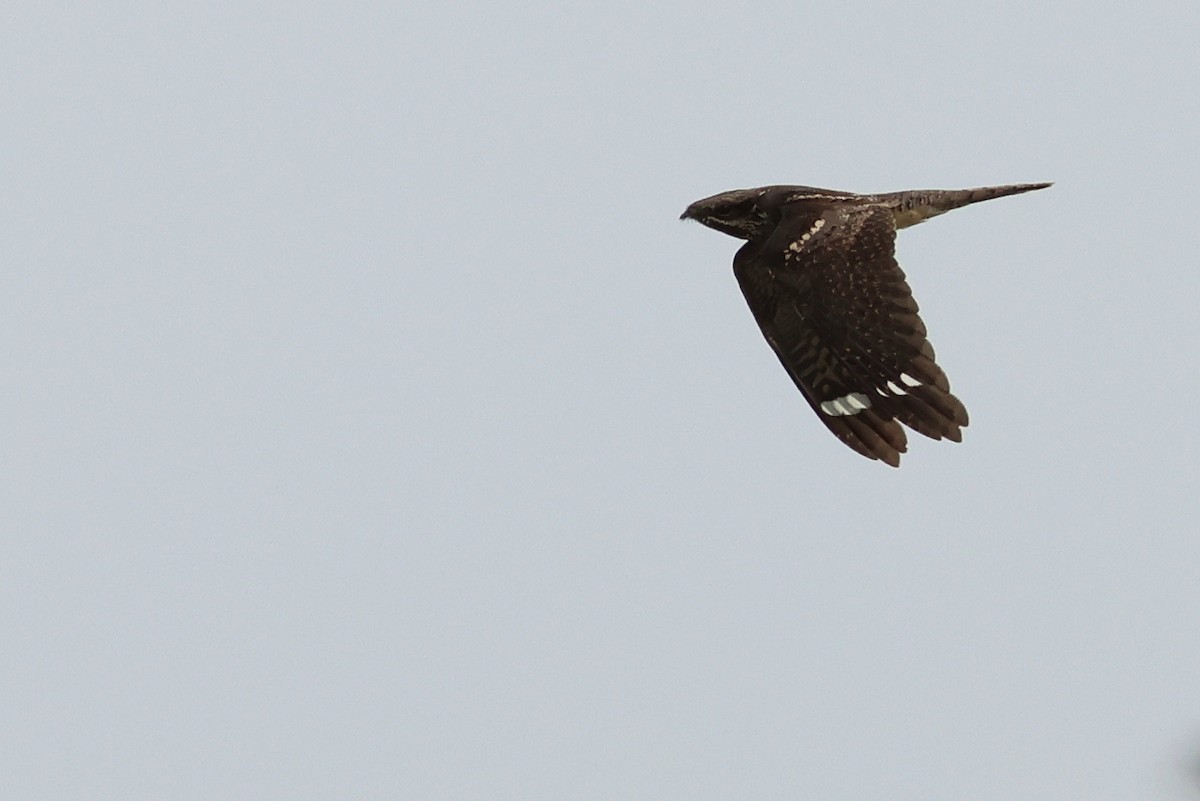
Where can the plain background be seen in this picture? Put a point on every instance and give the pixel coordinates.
(372, 428)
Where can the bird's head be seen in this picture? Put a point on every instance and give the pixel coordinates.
(737, 213)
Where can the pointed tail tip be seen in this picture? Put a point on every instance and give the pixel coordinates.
(992, 192)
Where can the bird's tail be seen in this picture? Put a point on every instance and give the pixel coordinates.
(910, 208)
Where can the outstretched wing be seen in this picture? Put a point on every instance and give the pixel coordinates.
(834, 305)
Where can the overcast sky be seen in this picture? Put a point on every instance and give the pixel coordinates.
(373, 429)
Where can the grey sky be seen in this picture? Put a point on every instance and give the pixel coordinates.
(372, 428)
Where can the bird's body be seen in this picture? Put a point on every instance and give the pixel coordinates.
(820, 275)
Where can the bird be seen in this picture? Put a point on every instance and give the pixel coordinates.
(819, 273)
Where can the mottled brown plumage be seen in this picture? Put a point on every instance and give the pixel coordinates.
(820, 275)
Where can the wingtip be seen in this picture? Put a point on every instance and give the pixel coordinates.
(1016, 189)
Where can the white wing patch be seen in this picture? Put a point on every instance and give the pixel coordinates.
(853, 403)
(893, 388)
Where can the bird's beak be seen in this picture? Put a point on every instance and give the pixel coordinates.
(689, 213)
